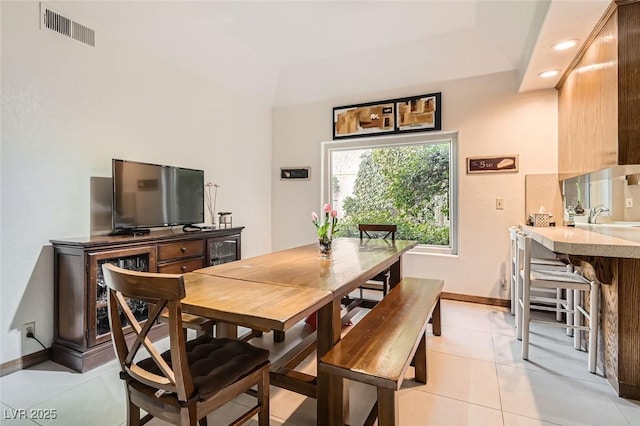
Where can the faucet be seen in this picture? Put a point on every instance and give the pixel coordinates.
(595, 212)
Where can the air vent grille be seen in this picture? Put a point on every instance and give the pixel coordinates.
(67, 27)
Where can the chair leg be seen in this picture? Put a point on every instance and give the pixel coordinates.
(133, 411)
(263, 398)
(188, 416)
(594, 319)
(519, 308)
(577, 319)
(558, 304)
(526, 314)
(513, 294)
(570, 308)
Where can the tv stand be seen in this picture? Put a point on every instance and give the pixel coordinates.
(130, 231)
(81, 330)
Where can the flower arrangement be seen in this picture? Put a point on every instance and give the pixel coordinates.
(329, 225)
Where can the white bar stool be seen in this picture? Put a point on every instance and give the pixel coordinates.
(557, 279)
(536, 264)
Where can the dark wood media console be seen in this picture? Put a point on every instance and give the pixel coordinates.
(82, 339)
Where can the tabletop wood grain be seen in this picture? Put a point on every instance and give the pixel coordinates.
(256, 305)
(352, 262)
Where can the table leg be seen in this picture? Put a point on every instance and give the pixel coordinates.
(395, 273)
(333, 393)
(226, 330)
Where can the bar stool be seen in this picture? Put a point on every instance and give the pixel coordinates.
(536, 264)
(557, 279)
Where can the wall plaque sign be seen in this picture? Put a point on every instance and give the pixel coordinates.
(500, 163)
(295, 173)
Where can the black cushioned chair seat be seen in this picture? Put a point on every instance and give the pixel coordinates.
(215, 362)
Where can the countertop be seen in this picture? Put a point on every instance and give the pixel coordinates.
(588, 240)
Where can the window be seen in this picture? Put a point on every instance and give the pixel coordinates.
(407, 180)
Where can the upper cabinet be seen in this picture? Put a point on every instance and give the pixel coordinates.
(599, 98)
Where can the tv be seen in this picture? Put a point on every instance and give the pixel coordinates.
(153, 195)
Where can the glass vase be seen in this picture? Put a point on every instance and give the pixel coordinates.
(325, 246)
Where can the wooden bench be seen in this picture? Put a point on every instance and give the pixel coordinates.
(380, 348)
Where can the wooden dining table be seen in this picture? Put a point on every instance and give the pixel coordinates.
(277, 290)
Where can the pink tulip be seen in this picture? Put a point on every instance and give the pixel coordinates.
(334, 213)
(314, 217)
(327, 208)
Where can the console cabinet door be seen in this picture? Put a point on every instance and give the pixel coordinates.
(141, 259)
(223, 249)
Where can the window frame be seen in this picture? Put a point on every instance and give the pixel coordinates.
(450, 137)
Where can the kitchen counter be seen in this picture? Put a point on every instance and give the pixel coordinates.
(589, 240)
(610, 254)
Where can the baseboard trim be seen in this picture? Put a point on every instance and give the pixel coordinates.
(505, 303)
(25, 362)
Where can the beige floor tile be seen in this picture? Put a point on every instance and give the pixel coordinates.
(557, 399)
(465, 315)
(425, 409)
(15, 417)
(296, 408)
(630, 409)
(545, 356)
(516, 420)
(463, 342)
(98, 402)
(460, 378)
(476, 358)
(28, 387)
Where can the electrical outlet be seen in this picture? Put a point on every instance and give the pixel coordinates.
(503, 282)
(27, 328)
(628, 202)
(499, 204)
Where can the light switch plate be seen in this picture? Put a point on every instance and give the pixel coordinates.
(628, 202)
(499, 204)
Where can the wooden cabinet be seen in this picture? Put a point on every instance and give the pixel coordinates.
(181, 257)
(223, 249)
(599, 99)
(82, 339)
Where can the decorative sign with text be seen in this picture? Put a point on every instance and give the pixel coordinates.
(500, 163)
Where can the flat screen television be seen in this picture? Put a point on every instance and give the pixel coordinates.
(152, 195)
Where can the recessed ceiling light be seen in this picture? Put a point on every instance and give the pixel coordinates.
(564, 45)
(549, 74)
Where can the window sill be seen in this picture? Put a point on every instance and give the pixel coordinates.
(432, 251)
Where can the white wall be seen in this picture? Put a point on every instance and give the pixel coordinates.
(68, 109)
(491, 118)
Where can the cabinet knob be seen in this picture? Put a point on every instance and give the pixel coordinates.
(183, 268)
(183, 249)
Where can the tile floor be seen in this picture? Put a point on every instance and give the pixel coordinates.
(476, 377)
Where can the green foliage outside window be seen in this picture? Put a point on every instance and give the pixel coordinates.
(408, 186)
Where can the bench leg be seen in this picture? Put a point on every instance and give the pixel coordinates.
(278, 336)
(420, 360)
(387, 407)
(435, 319)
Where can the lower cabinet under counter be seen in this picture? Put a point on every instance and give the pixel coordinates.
(82, 338)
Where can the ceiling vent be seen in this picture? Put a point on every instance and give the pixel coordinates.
(61, 24)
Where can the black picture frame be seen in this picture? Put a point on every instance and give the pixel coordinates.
(422, 113)
(360, 120)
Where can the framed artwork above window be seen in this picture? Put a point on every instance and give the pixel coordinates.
(420, 113)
